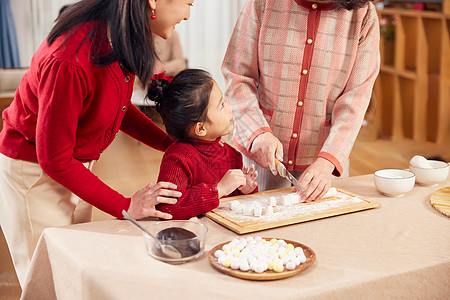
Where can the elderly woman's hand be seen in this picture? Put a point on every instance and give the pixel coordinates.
(265, 148)
(143, 202)
(316, 179)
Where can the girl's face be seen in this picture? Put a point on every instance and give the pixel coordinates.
(220, 115)
(168, 14)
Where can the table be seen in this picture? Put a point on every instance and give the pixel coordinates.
(399, 250)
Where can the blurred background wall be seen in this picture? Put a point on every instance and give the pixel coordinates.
(204, 37)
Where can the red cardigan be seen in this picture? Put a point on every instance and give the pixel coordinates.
(196, 168)
(67, 110)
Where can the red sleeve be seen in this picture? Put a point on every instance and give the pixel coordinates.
(196, 199)
(56, 136)
(137, 125)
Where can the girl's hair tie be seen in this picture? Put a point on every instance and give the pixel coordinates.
(162, 76)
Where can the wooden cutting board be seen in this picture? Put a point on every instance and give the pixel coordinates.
(440, 200)
(345, 202)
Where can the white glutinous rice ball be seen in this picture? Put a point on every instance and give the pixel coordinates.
(420, 162)
(235, 264)
(290, 265)
(244, 266)
(301, 257)
(332, 192)
(226, 246)
(219, 253)
(268, 210)
(298, 250)
(259, 267)
(282, 243)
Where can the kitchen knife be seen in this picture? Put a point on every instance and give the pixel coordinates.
(281, 169)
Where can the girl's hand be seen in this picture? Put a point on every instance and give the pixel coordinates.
(143, 202)
(316, 179)
(250, 176)
(232, 180)
(265, 148)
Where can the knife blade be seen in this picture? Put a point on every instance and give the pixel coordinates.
(283, 172)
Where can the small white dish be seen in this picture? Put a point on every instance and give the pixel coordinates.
(394, 182)
(431, 176)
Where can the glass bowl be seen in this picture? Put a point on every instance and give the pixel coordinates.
(175, 241)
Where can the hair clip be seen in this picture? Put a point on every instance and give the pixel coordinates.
(162, 76)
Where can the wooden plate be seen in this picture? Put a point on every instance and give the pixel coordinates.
(267, 275)
(440, 200)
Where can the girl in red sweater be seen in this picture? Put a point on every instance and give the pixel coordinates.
(203, 167)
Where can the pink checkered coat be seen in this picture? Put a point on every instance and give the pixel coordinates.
(304, 71)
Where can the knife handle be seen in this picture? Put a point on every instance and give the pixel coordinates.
(281, 169)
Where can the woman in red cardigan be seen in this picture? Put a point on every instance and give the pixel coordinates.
(70, 105)
(203, 167)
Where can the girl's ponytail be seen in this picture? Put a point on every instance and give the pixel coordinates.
(157, 89)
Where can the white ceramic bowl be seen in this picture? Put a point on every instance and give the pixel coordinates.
(428, 177)
(394, 182)
(167, 237)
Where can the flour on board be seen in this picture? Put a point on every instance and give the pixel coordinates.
(280, 207)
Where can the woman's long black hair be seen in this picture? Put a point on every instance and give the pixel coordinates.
(131, 36)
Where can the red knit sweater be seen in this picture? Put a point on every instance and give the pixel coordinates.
(67, 110)
(196, 168)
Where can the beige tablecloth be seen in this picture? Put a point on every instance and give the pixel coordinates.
(399, 250)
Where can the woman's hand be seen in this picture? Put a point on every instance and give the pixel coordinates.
(250, 176)
(316, 179)
(232, 180)
(265, 148)
(144, 201)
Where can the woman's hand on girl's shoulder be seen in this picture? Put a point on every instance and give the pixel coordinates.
(143, 202)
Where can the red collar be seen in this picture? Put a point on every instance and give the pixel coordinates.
(316, 5)
(209, 148)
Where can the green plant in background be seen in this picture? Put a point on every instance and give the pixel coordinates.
(387, 27)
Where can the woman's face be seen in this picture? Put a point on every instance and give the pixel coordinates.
(168, 14)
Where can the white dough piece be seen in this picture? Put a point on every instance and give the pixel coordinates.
(268, 210)
(332, 192)
(286, 200)
(420, 162)
(248, 210)
(272, 201)
(295, 198)
(239, 209)
(257, 211)
(234, 204)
